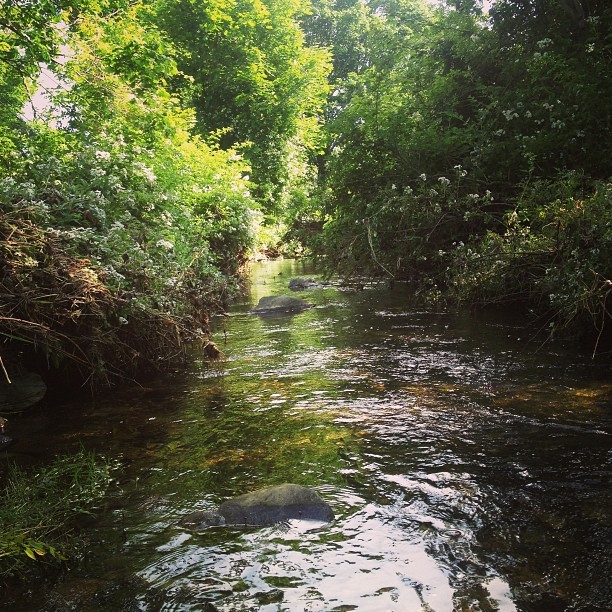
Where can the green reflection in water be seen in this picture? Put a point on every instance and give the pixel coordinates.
(259, 418)
(244, 445)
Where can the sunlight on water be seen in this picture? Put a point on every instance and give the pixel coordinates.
(467, 471)
(370, 563)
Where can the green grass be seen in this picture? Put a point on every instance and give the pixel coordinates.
(38, 508)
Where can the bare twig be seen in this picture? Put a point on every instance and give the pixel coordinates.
(373, 253)
(8, 380)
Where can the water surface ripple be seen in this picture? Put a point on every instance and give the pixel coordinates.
(468, 467)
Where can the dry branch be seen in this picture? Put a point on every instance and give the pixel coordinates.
(56, 304)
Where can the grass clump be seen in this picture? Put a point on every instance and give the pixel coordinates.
(38, 508)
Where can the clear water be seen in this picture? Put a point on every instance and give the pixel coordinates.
(468, 467)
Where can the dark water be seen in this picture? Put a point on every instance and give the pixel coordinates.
(469, 468)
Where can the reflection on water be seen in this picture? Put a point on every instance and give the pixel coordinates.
(467, 470)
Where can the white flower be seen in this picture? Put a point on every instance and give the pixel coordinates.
(423, 177)
(443, 180)
(103, 155)
(145, 171)
(165, 244)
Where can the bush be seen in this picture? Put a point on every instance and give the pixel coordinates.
(121, 231)
(555, 254)
(407, 231)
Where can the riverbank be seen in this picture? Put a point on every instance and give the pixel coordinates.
(39, 511)
(63, 317)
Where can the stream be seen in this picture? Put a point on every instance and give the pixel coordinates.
(468, 466)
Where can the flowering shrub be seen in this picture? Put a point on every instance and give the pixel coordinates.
(408, 232)
(134, 226)
(553, 252)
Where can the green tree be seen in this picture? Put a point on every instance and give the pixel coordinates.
(446, 138)
(112, 205)
(253, 78)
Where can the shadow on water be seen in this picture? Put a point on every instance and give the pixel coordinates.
(467, 470)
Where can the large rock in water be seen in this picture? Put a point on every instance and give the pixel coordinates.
(280, 303)
(266, 507)
(274, 504)
(22, 392)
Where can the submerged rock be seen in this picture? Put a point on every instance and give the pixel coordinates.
(201, 519)
(22, 392)
(299, 284)
(265, 507)
(280, 303)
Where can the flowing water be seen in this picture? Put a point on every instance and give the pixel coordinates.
(468, 467)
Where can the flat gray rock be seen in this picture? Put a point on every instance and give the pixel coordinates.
(280, 303)
(23, 391)
(265, 507)
(275, 504)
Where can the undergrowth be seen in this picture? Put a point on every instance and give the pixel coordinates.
(548, 247)
(62, 306)
(38, 509)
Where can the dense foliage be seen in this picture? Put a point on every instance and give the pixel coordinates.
(253, 77)
(126, 203)
(148, 148)
(469, 152)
